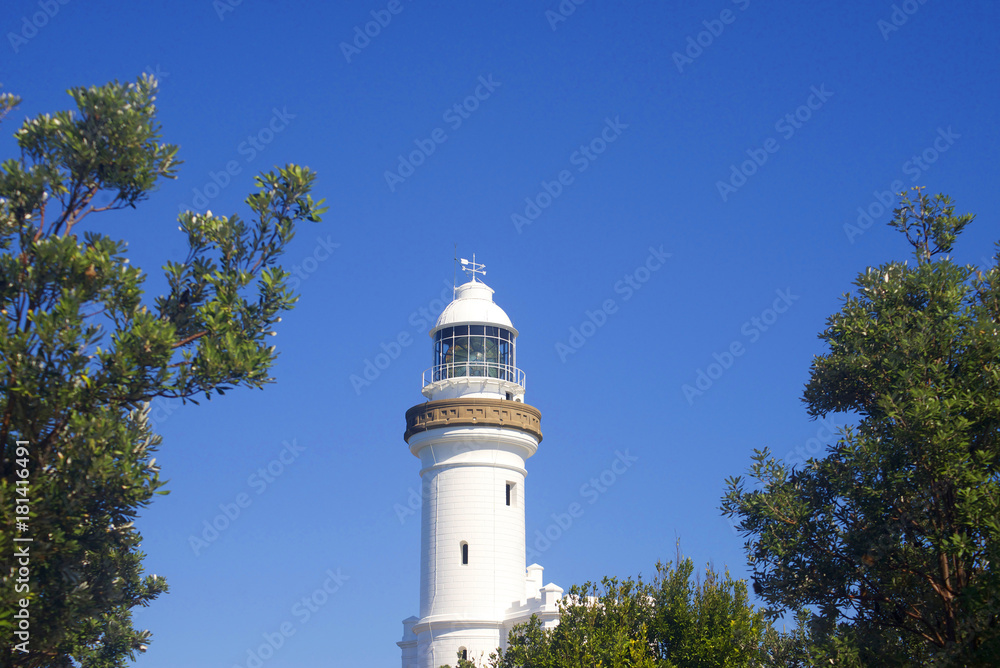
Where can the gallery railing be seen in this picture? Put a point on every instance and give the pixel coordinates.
(505, 372)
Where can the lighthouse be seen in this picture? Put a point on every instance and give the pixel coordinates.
(473, 436)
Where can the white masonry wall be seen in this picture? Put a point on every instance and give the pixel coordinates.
(466, 471)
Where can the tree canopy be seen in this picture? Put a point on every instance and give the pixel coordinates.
(679, 620)
(83, 351)
(888, 540)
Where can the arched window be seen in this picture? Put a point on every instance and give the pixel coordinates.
(465, 553)
(463, 653)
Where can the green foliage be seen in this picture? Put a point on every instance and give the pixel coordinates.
(7, 102)
(676, 621)
(889, 537)
(462, 663)
(81, 356)
(706, 624)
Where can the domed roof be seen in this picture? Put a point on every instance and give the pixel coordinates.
(473, 304)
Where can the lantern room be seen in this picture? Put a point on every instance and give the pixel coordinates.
(475, 352)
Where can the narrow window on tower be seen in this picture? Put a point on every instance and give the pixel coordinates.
(465, 553)
(463, 654)
(511, 494)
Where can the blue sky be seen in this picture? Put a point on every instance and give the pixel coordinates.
(739, 137)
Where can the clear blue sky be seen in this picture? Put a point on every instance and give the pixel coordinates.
(835, 105)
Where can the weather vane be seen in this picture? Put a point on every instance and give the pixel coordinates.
(472, 268)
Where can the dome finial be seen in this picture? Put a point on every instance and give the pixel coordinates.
(472, 268)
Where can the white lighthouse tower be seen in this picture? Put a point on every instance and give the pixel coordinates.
(472, 437)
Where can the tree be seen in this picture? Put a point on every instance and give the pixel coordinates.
(82, 354)
(889, 538)
(606, 625)
(462, 663)
(675, 621)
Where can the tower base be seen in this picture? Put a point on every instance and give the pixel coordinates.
(434, 642)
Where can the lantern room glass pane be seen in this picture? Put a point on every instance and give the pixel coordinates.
(474, 350)
(492, 351)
